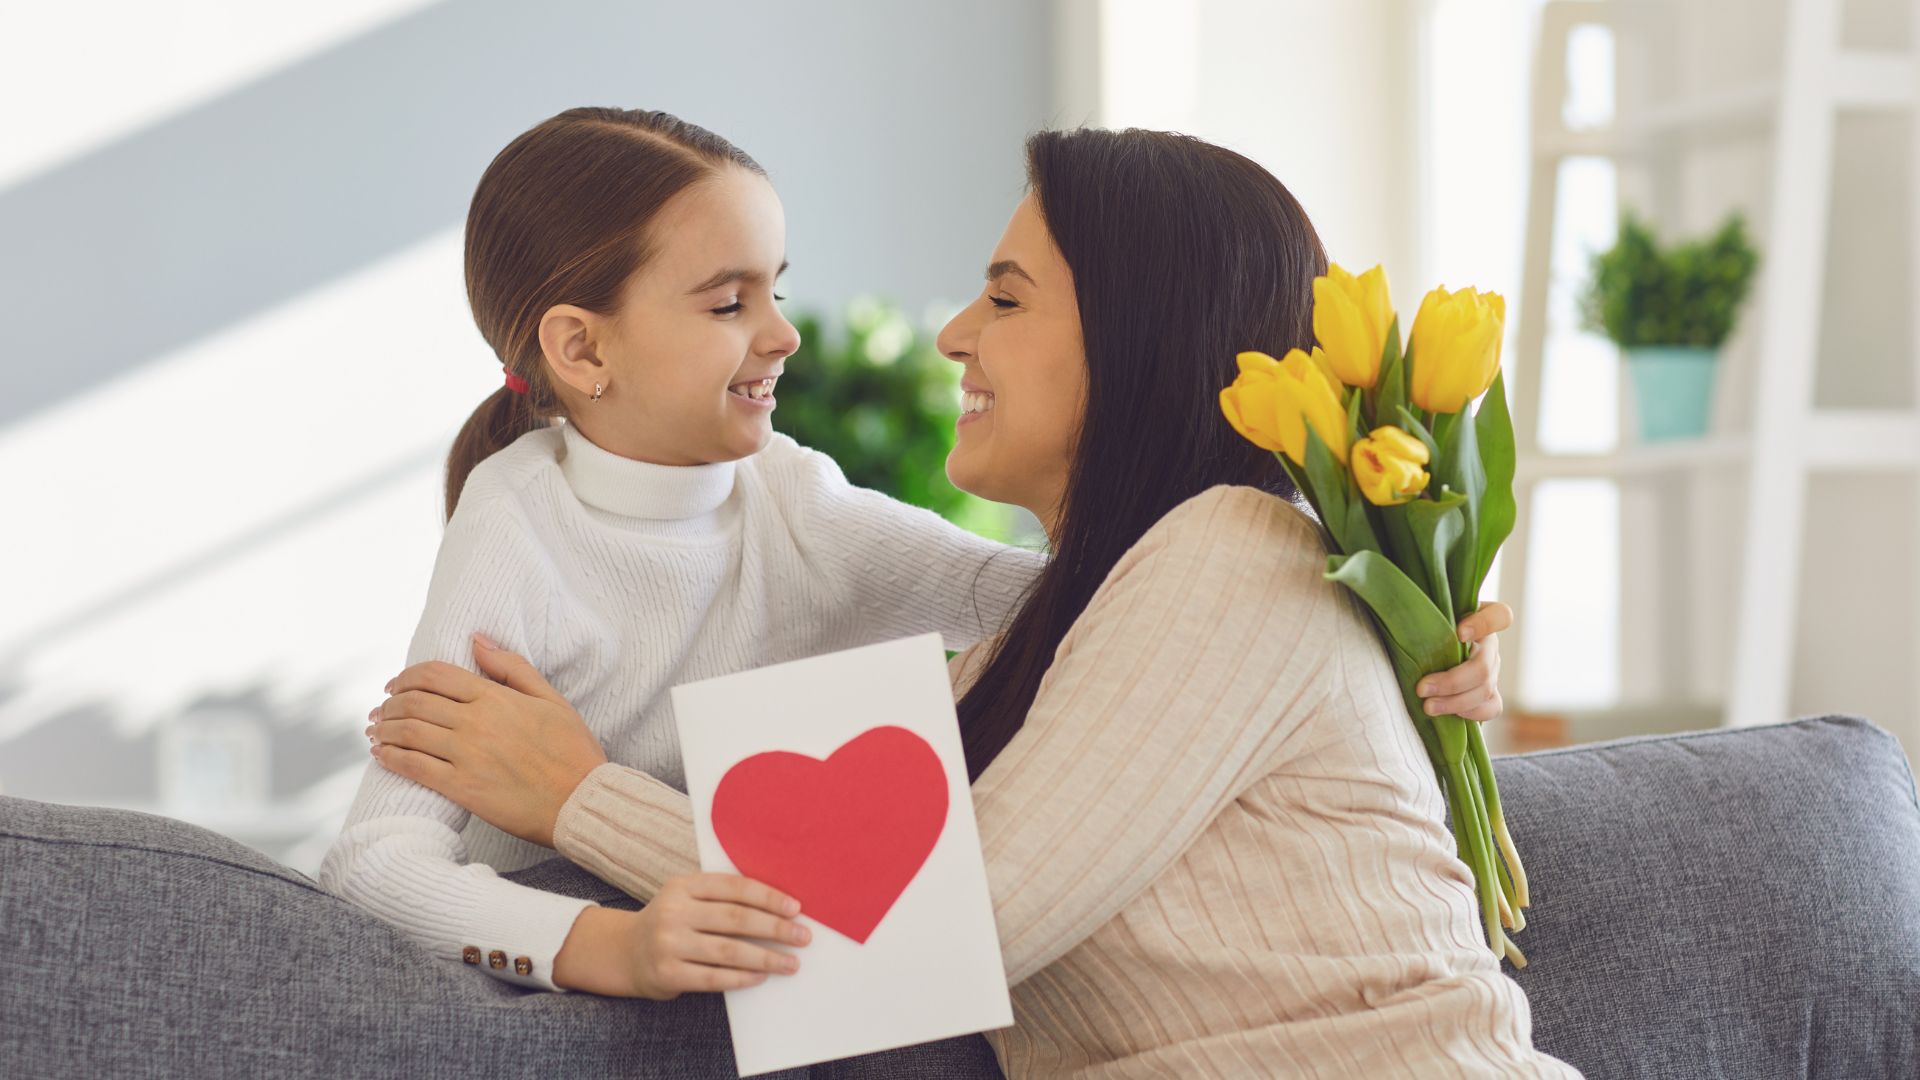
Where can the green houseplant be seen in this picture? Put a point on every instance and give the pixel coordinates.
(1670, 310)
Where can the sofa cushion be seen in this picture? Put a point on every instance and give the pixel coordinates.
(1738, 903)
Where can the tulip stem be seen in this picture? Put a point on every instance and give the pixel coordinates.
(1470, 819)
(1514, 954)
(1496, 817)
(1488, 880)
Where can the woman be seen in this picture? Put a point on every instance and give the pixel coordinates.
(1214, 842)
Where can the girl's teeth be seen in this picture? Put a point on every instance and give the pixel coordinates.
(755, 390)
(974, 401)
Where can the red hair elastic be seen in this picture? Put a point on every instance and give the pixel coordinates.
(515, 383)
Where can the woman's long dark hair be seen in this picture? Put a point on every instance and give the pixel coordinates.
(1183, 254)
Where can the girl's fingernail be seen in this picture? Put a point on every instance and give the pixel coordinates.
(790, 964)
(389, 686)
(1425, 689)
(373, 714)
(1432, 709)
(485, 641)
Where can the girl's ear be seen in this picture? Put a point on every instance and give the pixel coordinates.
(568, 339)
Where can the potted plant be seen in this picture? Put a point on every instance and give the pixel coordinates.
(1669, 310)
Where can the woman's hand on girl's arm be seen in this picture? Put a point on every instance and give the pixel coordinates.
(511, 750)
(690, 939)
(511, 754)
(1472, 689)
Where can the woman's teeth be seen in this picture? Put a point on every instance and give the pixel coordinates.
(975, 401)
(756, 390)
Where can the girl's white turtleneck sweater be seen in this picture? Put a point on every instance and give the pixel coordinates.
(619, 579)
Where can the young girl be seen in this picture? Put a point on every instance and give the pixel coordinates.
(622, 265)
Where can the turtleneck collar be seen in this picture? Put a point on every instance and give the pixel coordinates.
(641, 489)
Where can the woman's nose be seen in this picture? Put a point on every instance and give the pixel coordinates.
(956, 339)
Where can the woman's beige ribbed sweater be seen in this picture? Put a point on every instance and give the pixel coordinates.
(1216, 848)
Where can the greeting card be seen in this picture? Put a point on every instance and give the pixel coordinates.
(840, 780)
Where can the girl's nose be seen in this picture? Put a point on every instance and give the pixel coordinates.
(786, 339)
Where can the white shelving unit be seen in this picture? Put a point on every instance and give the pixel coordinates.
(1788, 439)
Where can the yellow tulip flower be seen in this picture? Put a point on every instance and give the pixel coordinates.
(1252, 403)
(1456, 347)
(1351, 316)
(1387, 466)
(1273, 401)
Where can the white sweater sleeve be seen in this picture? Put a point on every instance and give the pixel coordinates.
(903, 569)
(400, 855)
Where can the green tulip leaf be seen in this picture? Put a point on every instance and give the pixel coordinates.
(1360, 534)
(1416, 628)
(1406, 383)
(1419, 431)
(1403, 547)
(1391, 388)
(1494, 428)
(1328, 537)
(1330, 485)
(1437, 526)
(1460, 470)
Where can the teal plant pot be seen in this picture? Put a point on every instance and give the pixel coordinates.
(1672, 389)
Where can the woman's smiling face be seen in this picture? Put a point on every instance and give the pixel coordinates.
(1024, 381)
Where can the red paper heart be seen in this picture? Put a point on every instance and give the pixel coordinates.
(843, 836)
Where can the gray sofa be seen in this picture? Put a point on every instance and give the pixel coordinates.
(1739, 904)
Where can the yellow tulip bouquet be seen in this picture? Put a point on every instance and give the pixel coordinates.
(1414, 496)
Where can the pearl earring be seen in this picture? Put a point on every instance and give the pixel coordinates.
(596, 392)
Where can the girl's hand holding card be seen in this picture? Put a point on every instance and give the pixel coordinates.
(703, 933)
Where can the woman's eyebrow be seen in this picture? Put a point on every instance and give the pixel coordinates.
(1008, 266)
(729, 276)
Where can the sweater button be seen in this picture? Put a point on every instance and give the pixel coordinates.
(471, 954)
(496, 959)
(522, 966)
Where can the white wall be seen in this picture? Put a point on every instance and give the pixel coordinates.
(1322, 95)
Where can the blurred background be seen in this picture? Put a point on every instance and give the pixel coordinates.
(238, 345)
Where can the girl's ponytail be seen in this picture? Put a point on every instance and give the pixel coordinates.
(561, 217)
(503, 417)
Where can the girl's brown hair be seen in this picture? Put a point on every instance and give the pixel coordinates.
(561, 217)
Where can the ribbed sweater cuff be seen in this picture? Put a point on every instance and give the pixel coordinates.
(628, 829)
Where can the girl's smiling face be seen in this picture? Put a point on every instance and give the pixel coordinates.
(689, 360)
